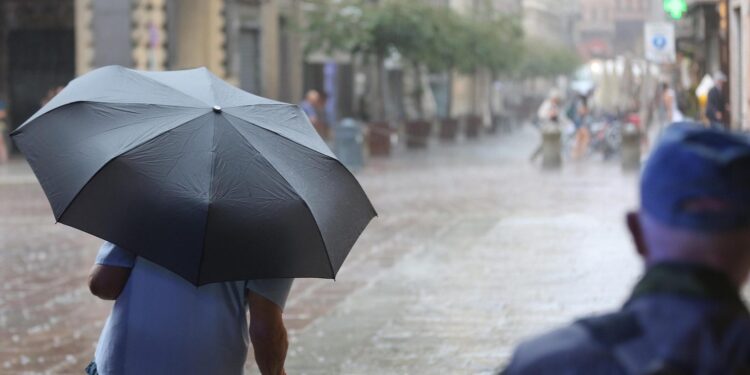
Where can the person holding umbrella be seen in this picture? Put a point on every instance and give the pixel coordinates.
(162, 324)
(209, 199)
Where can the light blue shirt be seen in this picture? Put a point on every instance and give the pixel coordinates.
(162, 324)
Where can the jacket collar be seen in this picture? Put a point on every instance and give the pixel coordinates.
(688, 280)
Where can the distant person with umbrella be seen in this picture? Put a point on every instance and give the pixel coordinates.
(210, 200)
(716, 105)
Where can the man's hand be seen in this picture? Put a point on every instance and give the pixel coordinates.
(106, 282)
(268, 334)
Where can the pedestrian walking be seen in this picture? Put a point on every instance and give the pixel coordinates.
(579, 113)
(314, 106)
(669, 101)
(4, 152)
(548, 117)
(215, 198)
(685, 315)
(162, 324)
(716, 106)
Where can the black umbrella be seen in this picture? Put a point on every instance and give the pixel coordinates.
(200, 177)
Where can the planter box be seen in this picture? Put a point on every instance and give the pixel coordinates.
(473, 124)
(418, 133)
(379, 138)
(448, 129)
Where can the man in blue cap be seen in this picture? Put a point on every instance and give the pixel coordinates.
(685, 315)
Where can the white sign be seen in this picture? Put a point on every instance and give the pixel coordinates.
(660, 46)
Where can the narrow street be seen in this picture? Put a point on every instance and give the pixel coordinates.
(474, 249)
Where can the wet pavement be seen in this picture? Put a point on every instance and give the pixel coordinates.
(474, 249)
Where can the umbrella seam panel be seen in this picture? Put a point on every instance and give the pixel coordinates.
(317, 226)
(59, 218)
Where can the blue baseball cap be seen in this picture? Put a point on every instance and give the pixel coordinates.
(698, 179)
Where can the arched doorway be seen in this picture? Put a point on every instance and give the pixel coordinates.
(39, 45)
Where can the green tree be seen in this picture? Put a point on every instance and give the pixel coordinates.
(426, 37)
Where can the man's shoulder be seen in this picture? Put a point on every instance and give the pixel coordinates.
(568, 350)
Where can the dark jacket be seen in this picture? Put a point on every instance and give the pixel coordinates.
(681, 319)
(716, 104)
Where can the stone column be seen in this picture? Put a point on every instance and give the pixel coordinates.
(296, 54)
(270, 48)
(149, 37)
(83, 37)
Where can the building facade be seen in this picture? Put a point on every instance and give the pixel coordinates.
(738, 17)
(551, 20)
(37, 52)
(46, 43)
(702, 35)
(612, 27)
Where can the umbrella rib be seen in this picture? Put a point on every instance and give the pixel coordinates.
(210, 198)
(290, 140)
(168, 86)
(317, 226)
(58, 218)
(277, 133)
(211, 86)
(62, 106)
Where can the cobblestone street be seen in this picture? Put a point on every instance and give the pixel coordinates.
(474, 249)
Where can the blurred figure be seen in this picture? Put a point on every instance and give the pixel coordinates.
(321, 113)
(308, 104)
(717, 104)
(314, 107)
(3, 130)
(579, 113)
(685, 315)
(51, 93)
(669, 102)
(548, 117)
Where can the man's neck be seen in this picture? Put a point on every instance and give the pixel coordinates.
(687, 279)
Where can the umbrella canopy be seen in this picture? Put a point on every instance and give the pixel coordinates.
(202, 178)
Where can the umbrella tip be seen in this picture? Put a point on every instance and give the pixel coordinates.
(217, 109)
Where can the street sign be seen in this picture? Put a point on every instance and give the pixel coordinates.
(676, 8)
(659, 41)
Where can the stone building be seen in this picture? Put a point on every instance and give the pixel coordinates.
(738, 19)
(612, 27)
(37, 52)
(46, 43)
(702, 35)
(551, 20)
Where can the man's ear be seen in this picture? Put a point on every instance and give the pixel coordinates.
(633, 220)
